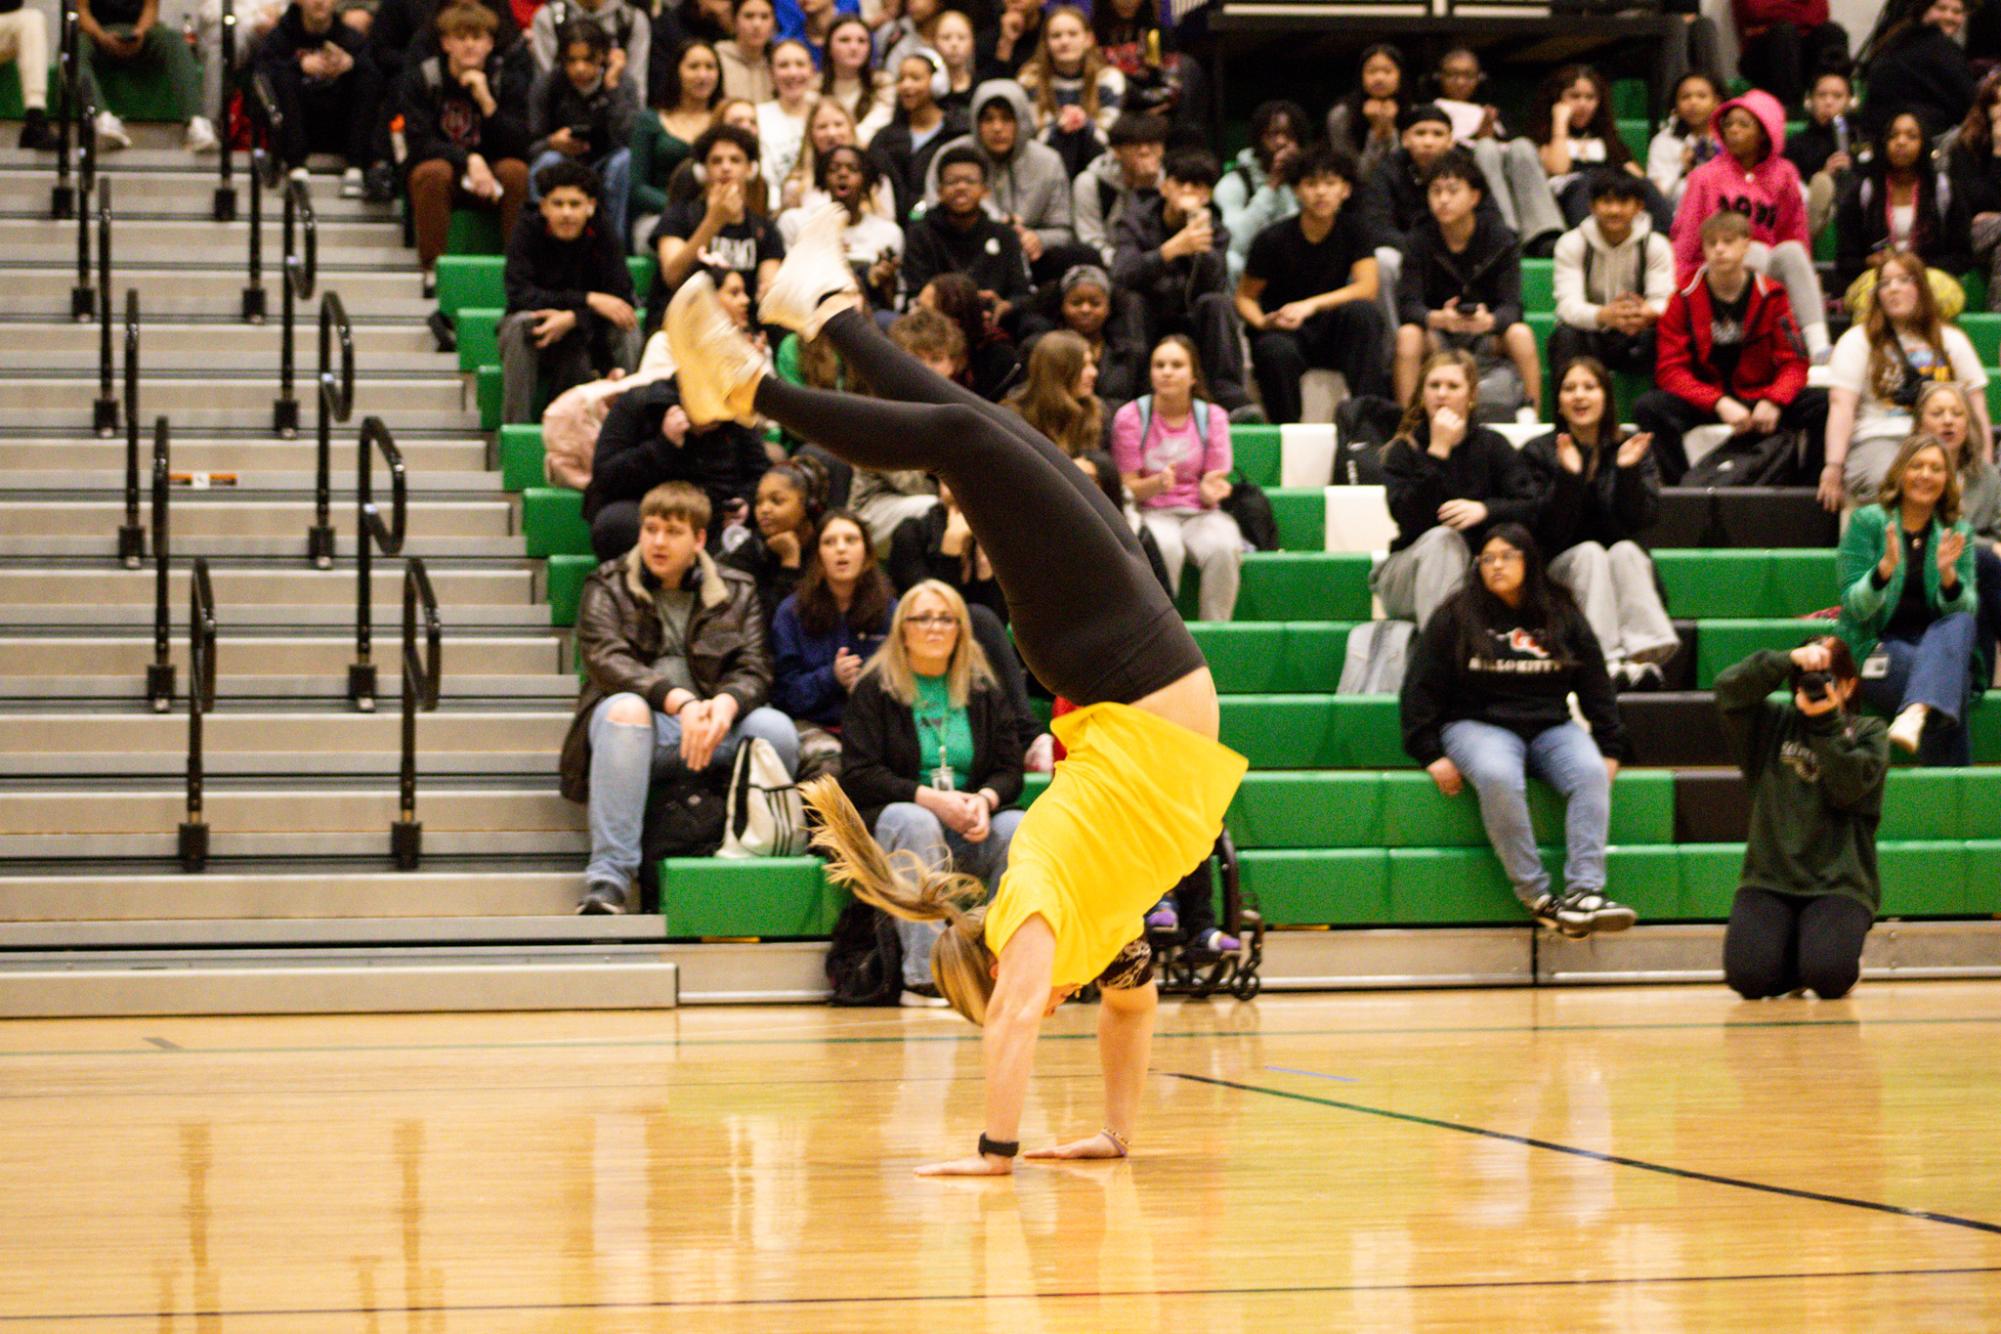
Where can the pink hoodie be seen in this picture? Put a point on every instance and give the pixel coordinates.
(1768, 194)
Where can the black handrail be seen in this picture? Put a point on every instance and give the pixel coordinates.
(301, 276)
(336, 403)
(371, 535)
(421, 675)
(201, 700)
(131, 537)
(82, 299)
(104, 413)
(62, 197)
(264, 174)
(160, 672)
(225, 187)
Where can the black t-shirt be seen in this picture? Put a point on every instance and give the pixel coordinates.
(1294, 268)
(1912, 615)
(1726, 332)
(741, 246)
(117, 13)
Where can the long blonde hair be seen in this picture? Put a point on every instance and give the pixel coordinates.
(1891, 495)
(804, 169)
(1971, 465)
(967, 670)
(903, 886)
(1039, 74)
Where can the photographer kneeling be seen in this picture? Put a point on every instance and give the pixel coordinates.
(1809, 889)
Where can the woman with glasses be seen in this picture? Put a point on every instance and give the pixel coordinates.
(1486, 703)
(931, 757)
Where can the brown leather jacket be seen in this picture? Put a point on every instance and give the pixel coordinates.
(619, 638)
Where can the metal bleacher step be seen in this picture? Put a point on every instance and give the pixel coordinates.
(67, 345)
(284, 543)
(330, 615)
(304, 737)
(139, 242)
(217, 513)
(244, 657)
(241, 587)
(56, 691)
(83, 482)
(142, 806)
(165, 190)
(440, 890)
(194, 399)
(65, 459)
(213, 286)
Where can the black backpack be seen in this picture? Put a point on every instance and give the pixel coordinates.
(864, 958)
(1363, 424)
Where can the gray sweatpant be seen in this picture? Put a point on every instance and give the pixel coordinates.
(1615, 587)
(1415, 582)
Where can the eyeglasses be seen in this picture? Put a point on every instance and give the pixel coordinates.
(938, 622)
(1496, 560)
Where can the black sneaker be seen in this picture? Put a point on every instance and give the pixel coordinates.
(36, 136)
(1562, 915)
(442, 331)
(1605, 914)
(602, 901)
(378, 184)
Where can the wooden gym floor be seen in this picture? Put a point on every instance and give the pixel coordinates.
(1646, 1159)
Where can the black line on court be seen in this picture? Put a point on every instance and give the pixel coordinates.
(1618, 1160)
(165, 1045)
(936, 1298)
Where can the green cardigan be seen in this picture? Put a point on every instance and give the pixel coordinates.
(1865, 608)
(655, 154)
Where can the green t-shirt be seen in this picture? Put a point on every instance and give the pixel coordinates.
(942, 727)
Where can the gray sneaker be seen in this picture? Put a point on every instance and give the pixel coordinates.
(602, 901)
(1604, 914)
(1561, 915)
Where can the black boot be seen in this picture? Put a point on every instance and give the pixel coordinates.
(36, 136)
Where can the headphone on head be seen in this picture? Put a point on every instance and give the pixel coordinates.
(941, 79)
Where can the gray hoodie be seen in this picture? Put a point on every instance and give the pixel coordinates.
(1590, 272)
(1098, 198)
(1030, 183)
(626, 25)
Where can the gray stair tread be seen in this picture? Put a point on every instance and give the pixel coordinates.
(131, 809)
(281, 655)
(243, 613)
(549, 928)
(164, 847)
(327, 687)
(266, 729)
(437, 891)
(50, 483)
(214, 512)
(287, 543)
(434, 763)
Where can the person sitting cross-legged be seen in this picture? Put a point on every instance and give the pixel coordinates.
(931, 756)
(676, 674)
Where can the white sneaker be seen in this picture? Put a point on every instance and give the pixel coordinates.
(299, 174)
(1909, 728)
(350, 183)
(718, 367)
(815, 267)
(200, 138)
(111, 132)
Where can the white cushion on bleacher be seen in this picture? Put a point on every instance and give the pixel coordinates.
(1358, 519)
(1319, 393)
(1306, 454)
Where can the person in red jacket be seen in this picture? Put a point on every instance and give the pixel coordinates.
(1730, 351)
(1786, 43)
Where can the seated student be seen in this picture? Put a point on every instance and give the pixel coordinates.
(1945, 413)
(575, 116)
(1573, 132)
(1174, 253)
(1125, 174)
(329, 95)
(569, 296)
(1253, 193)
(465, 133)
(849, 78)
(1391, 201)
(939, 544)
(989, 361)
(685, 104)
(1446, 481)
(1899, 203)
(834, 623)
(628, 35)
(403, 32)
(1729, 352)
(720, 222)
(1462, 288)
(1077, 92)
(1598, 489)
(1364, 123)
(952, 38)
(1751, 177)
(647, 439)
(903, 149)
(1782, 43)
(1906, 572)
(828, 126)
(1874, 377)
(24, 40)
(745, 54)
(1161, 80)
(847, 176)
(1684, 142)
(1614, 275)
(1027, 184)
(1059, 397)
(1822, 151)
(902, 27)
(676, 674)
(128, 34)
(1917, 64)
(958, 235)
(1004, 46)
(1809, 889)
(781, 122)
(931, 757)
(1486, 703)
(791, 496)
(1973, 165)
(1084, 303)
(1458, 80)
(1173, 452)
(1309, 290)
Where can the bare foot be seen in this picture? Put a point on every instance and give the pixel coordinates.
(1099, 1145)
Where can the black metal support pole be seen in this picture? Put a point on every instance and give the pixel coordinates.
(335, 399)
(225, 187)
(62, 198)
(104, 413)
(160, 672)
(285, 409)
(131, 537)
(253, 291)
(421, 676)
(82, 300)
(371, 535)
(201, 699)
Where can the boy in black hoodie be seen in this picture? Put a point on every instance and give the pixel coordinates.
(1822, 148)
(958, 236)
(574, 115)
(330, 94)
(569, 296)
(1462, 282)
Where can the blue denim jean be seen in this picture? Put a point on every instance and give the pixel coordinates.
(1497, 764)
(614, 171)
(624, 762)
(1936, 671)
(904, 825)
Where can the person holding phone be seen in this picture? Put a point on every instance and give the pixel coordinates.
(1809, 889)
(576, 115)
(823, 633)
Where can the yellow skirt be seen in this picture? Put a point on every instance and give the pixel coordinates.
(1135, 805)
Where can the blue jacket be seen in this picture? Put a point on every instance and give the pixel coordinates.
(803, 683)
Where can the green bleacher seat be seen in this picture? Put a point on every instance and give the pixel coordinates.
(128, 92)
(1539, 285)
(487, 390)
(520, 457)
(1315, 731)
(1631, 99)
(775, 897)
(474, 231)
(1273, 657)
(552, 521)
(1255, 450)
(1975, 283)
(1637, 134)
(11, 105)
(1301, 514)
(1721, 643)
(1984, 329)
(1295, 586)
(566, 575)
(478, 328)
(1764, 583)
(480, 280)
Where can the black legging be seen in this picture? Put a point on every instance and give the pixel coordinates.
(1777, 943)
(1089, 617)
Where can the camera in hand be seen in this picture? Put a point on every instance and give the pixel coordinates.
(1814, 685)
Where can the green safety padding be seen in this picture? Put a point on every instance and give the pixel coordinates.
(1722, 643)
(1755, 583)
(1257, 454)
(520, 457)
(488, 389)
(775, 897)
(552, 522)
(1984, 329)
(474, 231)
(566, 575)
(1301, 514)
(1538, 285)
(478, 328)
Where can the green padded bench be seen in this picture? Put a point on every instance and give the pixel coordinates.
(552, 521)
(1769, 583)
(480, 280)
(1538, 285)
(1294, 586)
(1984, 330)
